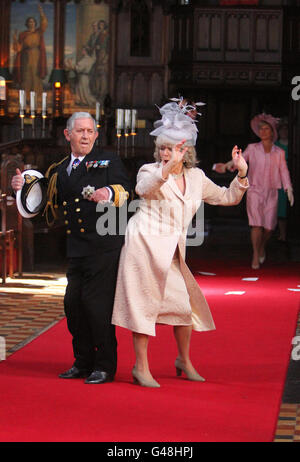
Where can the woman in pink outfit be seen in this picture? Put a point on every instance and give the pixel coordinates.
(268, 172)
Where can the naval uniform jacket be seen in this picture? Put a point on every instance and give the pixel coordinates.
(80, 215)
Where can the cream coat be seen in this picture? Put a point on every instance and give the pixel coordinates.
(153, 234)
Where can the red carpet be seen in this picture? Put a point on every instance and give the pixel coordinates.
(244, 361)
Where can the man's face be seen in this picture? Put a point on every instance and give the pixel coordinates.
(82, 137)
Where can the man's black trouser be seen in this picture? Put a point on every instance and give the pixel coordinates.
(88, 304)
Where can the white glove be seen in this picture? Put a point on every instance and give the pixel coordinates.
(290, 196)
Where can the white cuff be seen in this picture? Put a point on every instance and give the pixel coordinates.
(110, 194)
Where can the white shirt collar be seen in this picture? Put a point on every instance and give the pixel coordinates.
(76, 157)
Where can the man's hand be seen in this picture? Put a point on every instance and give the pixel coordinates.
(99, 195)
(219, 167)
(17, 181)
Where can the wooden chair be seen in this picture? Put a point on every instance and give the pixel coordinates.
(11, 220)
(6, 243)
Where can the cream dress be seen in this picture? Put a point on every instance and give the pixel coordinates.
(154, 284)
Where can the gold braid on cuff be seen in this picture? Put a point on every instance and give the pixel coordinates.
(121, 195)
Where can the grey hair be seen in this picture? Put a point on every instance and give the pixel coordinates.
(189, 159)
(79, 115)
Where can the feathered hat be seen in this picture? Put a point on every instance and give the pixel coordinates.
(175, 124)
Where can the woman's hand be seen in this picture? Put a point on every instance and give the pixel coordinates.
(41, 11)
(176, 158)
(178, 152)
(290, 196)
(239, 162)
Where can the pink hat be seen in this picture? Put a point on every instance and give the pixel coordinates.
(269, 119)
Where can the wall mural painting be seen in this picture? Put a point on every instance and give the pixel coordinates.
(31, 51)
(86, 55)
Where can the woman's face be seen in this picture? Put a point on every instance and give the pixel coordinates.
(165, 152)
(265, 132)
(101, 26)
(31, 24)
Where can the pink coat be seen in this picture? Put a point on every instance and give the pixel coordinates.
(267, 170)
(151, 239)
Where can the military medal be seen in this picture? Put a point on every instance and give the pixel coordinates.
(97, 164)
(88, 191)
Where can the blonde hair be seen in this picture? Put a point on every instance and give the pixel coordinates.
(190, 157)
(264, 122)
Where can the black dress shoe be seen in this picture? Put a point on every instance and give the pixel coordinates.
(99, 377)
(75, 373)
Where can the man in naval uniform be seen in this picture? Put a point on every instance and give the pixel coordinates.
(78, 183)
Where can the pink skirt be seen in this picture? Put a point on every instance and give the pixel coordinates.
(262, 207)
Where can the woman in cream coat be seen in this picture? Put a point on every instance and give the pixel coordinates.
(154, 284)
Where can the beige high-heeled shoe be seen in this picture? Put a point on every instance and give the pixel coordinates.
(190, 375)
(139, 379)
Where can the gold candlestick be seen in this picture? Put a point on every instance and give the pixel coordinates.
(22, 101)
(133, 129)
(119, 127)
